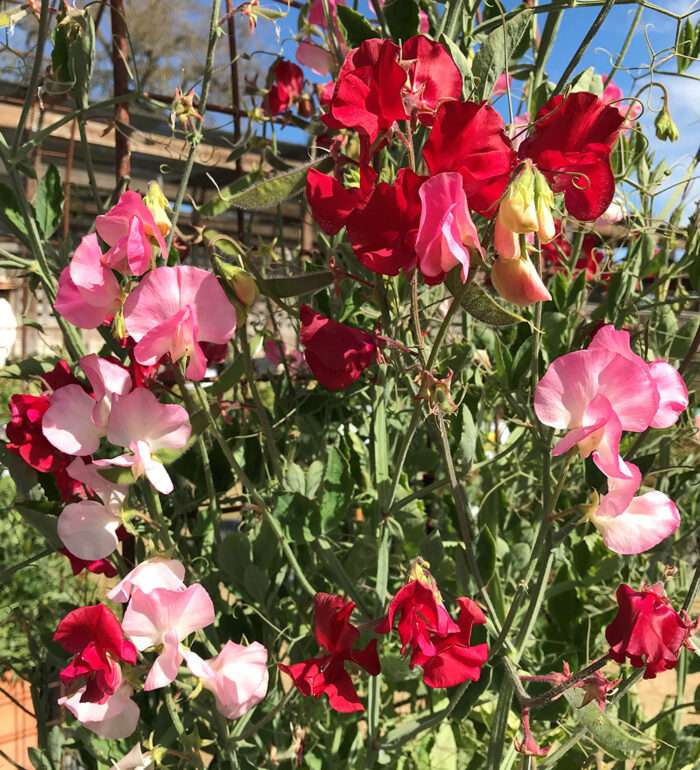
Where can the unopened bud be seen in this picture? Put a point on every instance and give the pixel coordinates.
(517, 281)
(242, 283)
(506, 242)
(156, 202)
(665, 127)
(544, 201)
(517, 209)
(437, 392)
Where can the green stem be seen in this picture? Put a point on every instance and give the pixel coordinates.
(260, 410)
(156, 511)
(625, 45)
(89, 165)
(206, 82)
(253, 492)
(180, 729)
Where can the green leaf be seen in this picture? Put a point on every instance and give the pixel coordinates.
(463, 65)
(467, 436)
(48, 202)
(495, 52)
(42, 517)
(617, 738)
(337, 490)
(357, 29)
(268, 192)
(588, 80)
(402, 19)
(295, 285)
(482, 306)
(296, 481)
(314, 478)
(10, 212)
(221, 202)
(486, 555)
(685, 46)
(443, 755)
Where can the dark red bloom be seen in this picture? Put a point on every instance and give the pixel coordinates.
(337, 354)
(26, 438)
(286, 87)
(647, 630)
(571, 145)
(99, 567)
(470, 138)
(332, 203)
(335, 633)
(432, 77)
(383, 231)
(368, 90)
(96, 637)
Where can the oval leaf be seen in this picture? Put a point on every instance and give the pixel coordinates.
(495, 52)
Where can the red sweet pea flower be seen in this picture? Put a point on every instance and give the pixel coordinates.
(432, 77)
(368, 90)
(96, 637)
(470, 138)
(337, 354)
(647, 630)
(571, 145)
(558, 251)
(327, 674)
(287, 86)
(24, 432)
(383, 231)
(332, 203)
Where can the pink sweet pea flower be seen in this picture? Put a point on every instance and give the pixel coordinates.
(595, 394)
(150, 574)
(503, 83)
(673, 393)
(240, 680)
(446, 233)
(75, 421)
(165, 617)
(116, 718)
(632, 524)
(172, 310)
(135, 760)
(88, 291)
(142, 424)
(130, 230)
(89, 528)
(516, 279)
(315, 57)
(317, 15)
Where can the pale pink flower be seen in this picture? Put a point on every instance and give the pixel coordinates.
(632, 524)
(317, 15)
(165, 617)
(517, 281)
(131, 231)
(240, 680)
(315, 57)
(446, 233)
(88, 291)
(150, 574)
(615, 213)
(673, 393)
(503, 83)
(135, 760)
(116, 718)
(75, 421)
(517, 129)
(143, 425)
(172, 310)
(88, 528)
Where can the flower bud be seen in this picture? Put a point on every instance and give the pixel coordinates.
(516, 280)
(437, 392)
(544, 201)
(665, 127)
(156, 202)
(506, 242)
(517, 209)
(242, 283)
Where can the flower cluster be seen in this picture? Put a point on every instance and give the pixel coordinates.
(596, 394)
(162, 612)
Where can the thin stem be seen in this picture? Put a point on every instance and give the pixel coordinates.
(206, 82)
(6, 573)
(180, 729)
(627, 684)
(253, 492)
(691, 704)
(625, 45)
(89, 165)
(415, 316)
(592, 32)
(260, 410)
(156, 511)
(692, 590)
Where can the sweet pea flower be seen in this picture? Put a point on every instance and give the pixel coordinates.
(89, 528)
(240, 680)
(336, 634)
(647, 631)
(166, 617)
(142, 424)
(172, 310)
(597, 393)
(116, 718)
(317, 14)
(632, 524)
(315, 57)
(517, 281)
(446, 233)
(150, 574)
(88, 291)
(75, 421)
(332, 203)
(135, 760)
(131, 231)
(337, 354)
(286, 87)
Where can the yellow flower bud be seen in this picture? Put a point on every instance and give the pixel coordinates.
(517, 209)
(242, 283)
(156, 202)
